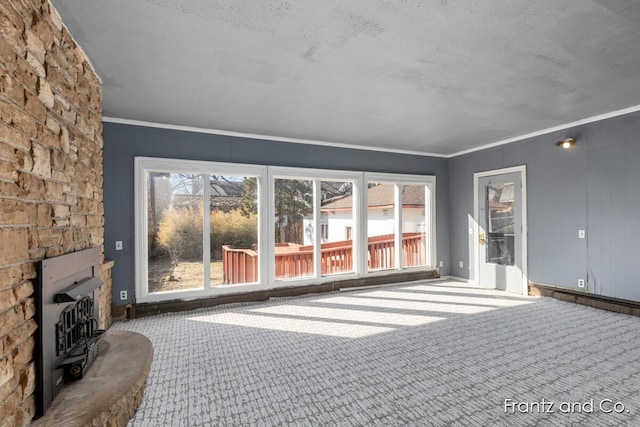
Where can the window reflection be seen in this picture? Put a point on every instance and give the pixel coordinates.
(500, 222)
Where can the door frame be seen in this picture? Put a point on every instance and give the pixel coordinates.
(476, 252)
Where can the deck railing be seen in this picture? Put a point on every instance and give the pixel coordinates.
(292, 260)
(239, 265)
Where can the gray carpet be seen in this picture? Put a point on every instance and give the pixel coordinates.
(437, 353)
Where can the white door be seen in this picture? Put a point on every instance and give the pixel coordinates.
(500, 231)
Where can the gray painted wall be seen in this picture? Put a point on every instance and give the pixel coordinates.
(595, 186)
(124, 142)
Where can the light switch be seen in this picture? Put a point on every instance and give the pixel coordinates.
(118, 245)
(581, 234)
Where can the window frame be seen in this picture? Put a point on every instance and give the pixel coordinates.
(266, 176)
(145, 165)
(429, 181)
(316, 176)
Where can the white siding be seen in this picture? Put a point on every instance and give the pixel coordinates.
(380, 222)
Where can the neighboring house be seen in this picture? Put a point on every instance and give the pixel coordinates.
(336, 214)
(224, 196)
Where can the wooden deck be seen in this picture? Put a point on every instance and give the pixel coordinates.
(292, 260)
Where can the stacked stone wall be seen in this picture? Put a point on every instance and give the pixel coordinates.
(50, 179)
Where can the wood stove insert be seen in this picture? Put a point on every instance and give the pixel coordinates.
(67, 315)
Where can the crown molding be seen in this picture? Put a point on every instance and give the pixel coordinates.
(264, 137)
(587, 120)
(580, 122)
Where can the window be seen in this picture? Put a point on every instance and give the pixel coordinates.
(293, 203)
(207, 228)
(400, 213)
(414, 230)
(233, 231)
(381, 226)
(336, 210)
(501, 221)
(324, 232)
(175, 232)
(197, 227)
(319, 203)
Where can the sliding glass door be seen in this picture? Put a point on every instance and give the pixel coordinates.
(400, 226)
(314, 222)
(201, 227)
(207, 228)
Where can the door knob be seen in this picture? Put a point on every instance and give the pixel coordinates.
(481, 239)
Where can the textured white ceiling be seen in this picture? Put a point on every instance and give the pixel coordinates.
(426, 76)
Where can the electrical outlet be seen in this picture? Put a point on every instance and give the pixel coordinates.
(581, 283)
(582, 234)
(441, 263)
(123, 295)
(118, 245)
(461, 264)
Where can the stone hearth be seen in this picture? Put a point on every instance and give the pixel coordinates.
(112, 389)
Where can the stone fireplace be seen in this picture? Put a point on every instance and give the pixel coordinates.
(50, 181)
